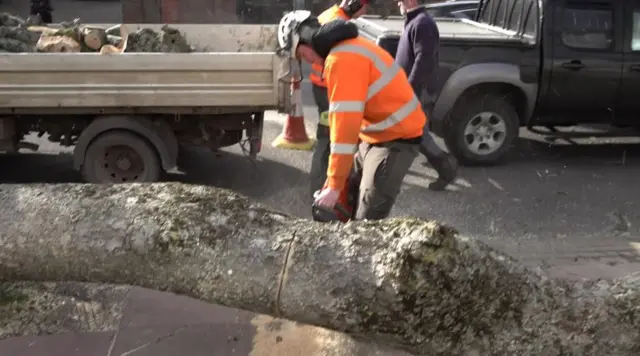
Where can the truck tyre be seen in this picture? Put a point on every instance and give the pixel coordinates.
(481, 129)
(120, 156)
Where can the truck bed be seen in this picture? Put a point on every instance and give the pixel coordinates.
(449, 28)
(238, 71)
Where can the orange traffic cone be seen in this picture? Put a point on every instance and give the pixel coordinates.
(294, 134)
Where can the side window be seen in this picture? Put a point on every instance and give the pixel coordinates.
(502, 13)
(469, 14)
(531, 22)
(586, 27)
(516, 16)
(635, 34)
(464, 14)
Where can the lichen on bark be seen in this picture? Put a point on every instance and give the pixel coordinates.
(413, 284)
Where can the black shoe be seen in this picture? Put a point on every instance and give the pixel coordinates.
(447, 169)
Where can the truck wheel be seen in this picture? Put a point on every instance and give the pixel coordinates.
(121, 157)
(481, 129)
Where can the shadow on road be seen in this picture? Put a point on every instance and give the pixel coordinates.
(534, 151)
(263, 179)
(556, 193)
(38, 168)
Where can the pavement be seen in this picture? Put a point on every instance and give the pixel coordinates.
(573, 211)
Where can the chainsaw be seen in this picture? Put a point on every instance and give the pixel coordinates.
(338, 213)
(343, 210)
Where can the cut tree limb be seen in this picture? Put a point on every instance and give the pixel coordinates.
(18, 35)
(406, 282)
(57, 44)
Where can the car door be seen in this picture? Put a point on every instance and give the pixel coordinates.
(586, 62)
(628, 104)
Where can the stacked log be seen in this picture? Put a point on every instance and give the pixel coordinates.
(31, 35)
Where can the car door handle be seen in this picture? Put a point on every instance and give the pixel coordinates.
(635, 68)
(574, 65)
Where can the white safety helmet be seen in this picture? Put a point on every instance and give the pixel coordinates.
(288, 37)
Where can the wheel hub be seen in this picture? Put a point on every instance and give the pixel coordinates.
(485, 133)
(123, 164)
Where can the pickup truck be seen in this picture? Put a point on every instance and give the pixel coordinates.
(127, 114)
(453, 8)
(530, 63)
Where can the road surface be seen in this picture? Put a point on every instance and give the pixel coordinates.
(573, 211)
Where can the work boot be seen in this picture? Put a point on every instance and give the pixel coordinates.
(447, 168)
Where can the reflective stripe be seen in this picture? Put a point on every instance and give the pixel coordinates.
(346, 106)
(394, 118)
(388, 72)
(343, 148)
(384, 80)
(316, 72)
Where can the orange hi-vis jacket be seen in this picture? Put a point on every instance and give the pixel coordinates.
(370, 99)
(330, 14)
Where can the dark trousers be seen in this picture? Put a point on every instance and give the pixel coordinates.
(378, 173)
(322, 149)
(429, 148)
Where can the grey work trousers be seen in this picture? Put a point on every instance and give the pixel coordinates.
(378, 172)
(322, 149)
(429, 148)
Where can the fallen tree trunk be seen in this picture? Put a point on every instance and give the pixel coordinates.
(406, 282)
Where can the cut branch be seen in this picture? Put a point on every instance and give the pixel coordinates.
(406, 282)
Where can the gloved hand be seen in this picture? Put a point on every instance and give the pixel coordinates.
(326, 198)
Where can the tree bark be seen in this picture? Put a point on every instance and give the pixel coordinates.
(410, 283)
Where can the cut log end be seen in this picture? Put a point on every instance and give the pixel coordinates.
(57, 44)
(94, 38)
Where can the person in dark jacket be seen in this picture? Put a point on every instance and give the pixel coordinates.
(42, 8)
(417, 54)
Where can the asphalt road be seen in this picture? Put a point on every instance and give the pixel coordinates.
(572, 210)
(556, 196)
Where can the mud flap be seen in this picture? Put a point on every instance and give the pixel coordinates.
(254, 133)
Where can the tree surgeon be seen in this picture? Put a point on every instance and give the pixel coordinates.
(348, 9)
(370, 100)
(417, 54)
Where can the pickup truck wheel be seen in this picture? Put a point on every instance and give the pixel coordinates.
(121, 157)
(481, 129)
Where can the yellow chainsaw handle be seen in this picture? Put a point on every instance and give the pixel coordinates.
(324, 118)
